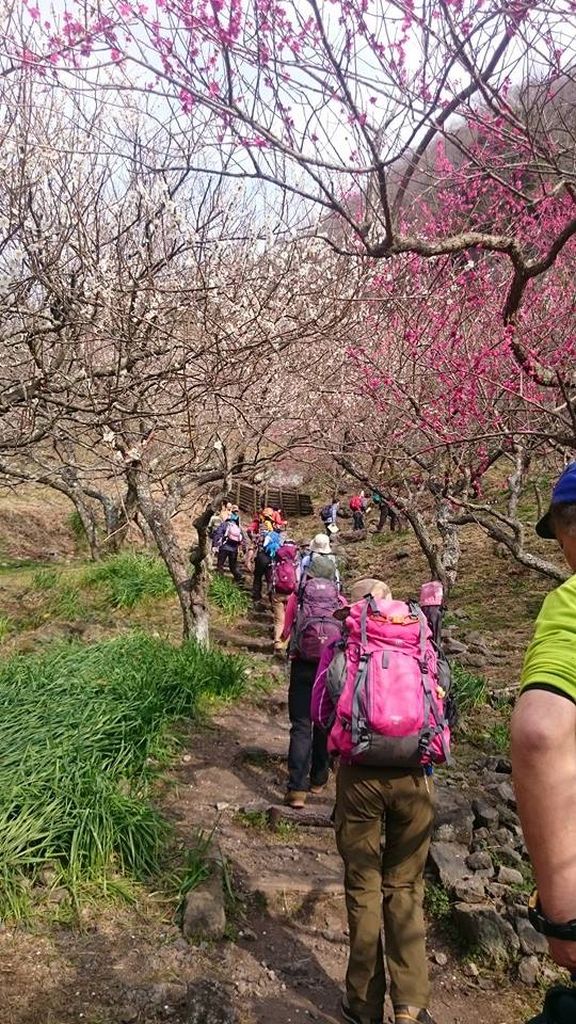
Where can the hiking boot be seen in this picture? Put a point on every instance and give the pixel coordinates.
(318, 788)
(559, 1007)
(412, 1015)
(295, 798)
(356, 1018)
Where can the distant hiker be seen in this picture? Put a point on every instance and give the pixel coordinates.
(283, 577)
(544, 756)
(320, 555)
(268, 541)
(311, 626)
(329, 515)
(388, 512)
(228, 539)
(358, 505)
(380, 695)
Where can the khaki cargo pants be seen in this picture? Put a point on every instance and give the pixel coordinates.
(385, 882)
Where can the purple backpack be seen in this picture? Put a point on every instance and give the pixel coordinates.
(315, 626)
(282, 573)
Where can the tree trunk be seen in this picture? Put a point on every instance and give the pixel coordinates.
(193, 606)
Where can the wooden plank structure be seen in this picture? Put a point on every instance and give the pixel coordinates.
(292, 502)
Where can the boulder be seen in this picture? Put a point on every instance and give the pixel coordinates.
(454, 817)
(449, 862)
(531, 941)
(507, 795)
(470, 890)
(510, 876)
(482, 926)
(529, 970)
(507, 855)
(485, 814)
(204, 910)
(481, 863)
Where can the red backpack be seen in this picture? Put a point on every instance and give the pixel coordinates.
(282, 573)
(356, 503)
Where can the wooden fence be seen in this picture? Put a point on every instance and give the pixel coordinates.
(292, 503)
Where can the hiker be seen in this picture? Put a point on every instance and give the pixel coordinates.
(329, 515)
(385, 720)
(358, 505)
(321, 556)
(268, 541)
(310, 625)
(283, 577)
(543, 735)
(227, 541)
(387, 511)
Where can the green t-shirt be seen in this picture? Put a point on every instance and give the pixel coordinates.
(551, 655)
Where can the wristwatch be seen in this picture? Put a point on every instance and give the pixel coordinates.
(565, 931)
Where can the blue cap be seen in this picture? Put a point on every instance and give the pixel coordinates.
(564, 492)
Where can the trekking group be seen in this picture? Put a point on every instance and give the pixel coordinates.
(369, 690)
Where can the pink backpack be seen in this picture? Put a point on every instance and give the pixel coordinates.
(282, 573)
(390, 702)
(233, 533)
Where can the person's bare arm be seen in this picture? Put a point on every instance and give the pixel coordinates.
(544, 767)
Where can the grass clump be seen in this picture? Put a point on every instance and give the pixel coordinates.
(469, 689)
(85, 728)
(225, 595)
(45, 579)
(437, 902)
(6, 627)
(130, 577)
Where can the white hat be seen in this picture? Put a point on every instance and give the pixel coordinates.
(320, 544)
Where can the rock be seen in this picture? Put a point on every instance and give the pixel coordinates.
(401, 554)
(510, 876)
(481, 862)
(509, 818)
(454, 817)
(128, 1014)
(529, 970)
(453, 646)
(471, 970)
(531, 941)
(167, 993)
(507, 795)
(204, 911)
(485, 815)
(449, 862)
(459, 613)
(481, 835)
(209, 1002)
(441, 959)
(504, 766)
(481, 925)
(221, 805)
(473, 660)
(507, 855)
(470, 890)
(249, 935)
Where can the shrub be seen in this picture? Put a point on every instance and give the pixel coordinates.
(84, 730)
(437, 901)
(227, 596)
(131, 576)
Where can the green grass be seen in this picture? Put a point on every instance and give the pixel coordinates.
(198, 866)
(130, 577)
(46, 579)
(77, 529)
(6, 627)
(499, 737)
(85, 729)
(437, 901)
(469, 688)
(225, 595)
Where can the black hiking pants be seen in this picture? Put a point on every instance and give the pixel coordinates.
(229, 554)
(358, 518)
(307, 754)
(260, 566)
